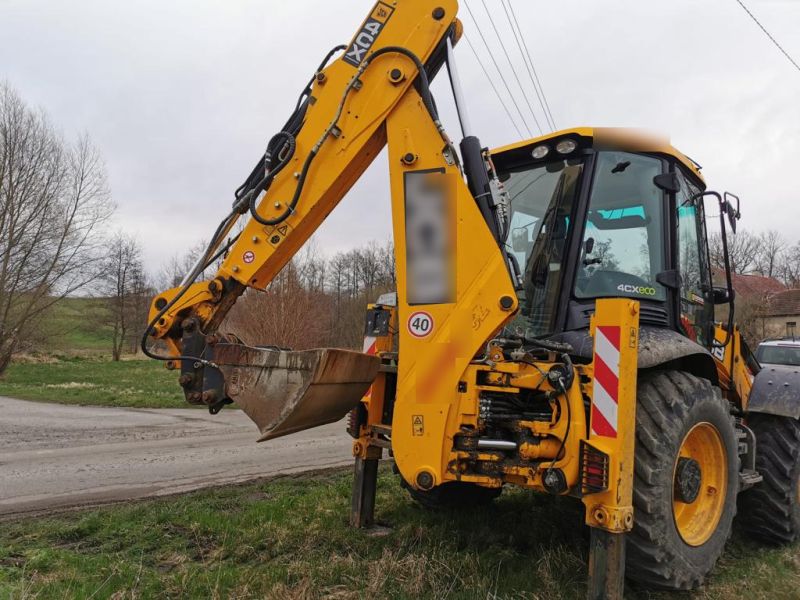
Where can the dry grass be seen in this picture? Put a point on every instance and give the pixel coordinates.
(288, 538)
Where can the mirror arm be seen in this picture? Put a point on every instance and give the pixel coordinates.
(726, 257)
(728, 276)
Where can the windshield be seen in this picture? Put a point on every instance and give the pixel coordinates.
(623, 244)
(779, 355)
(542, 202)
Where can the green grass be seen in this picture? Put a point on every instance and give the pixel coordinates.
(72, 326)
(289, 538)
(137, 383)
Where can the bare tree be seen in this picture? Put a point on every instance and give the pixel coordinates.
(287, 314)
(743, 250)
(770, 248)
(125, 289)
(789, 267)
(316, 301)
(177, 266)
(53, 200)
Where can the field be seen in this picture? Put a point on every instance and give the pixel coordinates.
(288, 538)
(94, 381)
(73, 327)
(72, 365)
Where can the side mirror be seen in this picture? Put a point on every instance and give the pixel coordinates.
(731, 206)
(668, 182)
(519, 240)
(721, 295)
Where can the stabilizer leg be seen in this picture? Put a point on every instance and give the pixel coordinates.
(606, 565)
(365, 480)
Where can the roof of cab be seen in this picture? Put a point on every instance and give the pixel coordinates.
(623, 138)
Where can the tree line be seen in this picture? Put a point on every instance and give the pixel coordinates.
(766, 253)
(314, 301)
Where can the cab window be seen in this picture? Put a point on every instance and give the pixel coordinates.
(623, 241)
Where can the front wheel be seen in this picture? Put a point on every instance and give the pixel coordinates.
(685, 480)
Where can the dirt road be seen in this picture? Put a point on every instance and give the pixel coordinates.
(55, 456)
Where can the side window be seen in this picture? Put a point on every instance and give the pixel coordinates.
(696, 314)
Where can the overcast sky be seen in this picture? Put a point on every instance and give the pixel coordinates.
(180, 96)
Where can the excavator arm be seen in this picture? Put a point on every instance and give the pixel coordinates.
(376, 92)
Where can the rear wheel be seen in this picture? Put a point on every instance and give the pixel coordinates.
(453, 494)
(685, 480)
(771, 510)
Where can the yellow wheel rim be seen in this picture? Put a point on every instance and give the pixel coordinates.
(698, 511)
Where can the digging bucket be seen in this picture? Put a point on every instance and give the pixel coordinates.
(284, 392)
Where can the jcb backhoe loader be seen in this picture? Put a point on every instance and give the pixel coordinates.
(553, 326)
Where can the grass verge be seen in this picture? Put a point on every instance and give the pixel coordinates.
(289, 538)
(136, 383)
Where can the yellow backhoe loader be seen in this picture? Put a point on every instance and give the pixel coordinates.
(553, 326)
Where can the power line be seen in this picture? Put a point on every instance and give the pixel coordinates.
(499, 72)
(499, 97)
(533, 67)
(525, 62)
(510, 64)
(769, 35)
(537, 85)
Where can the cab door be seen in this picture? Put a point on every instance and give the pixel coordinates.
(696, 313)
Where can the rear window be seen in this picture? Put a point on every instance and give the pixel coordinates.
(779, 355)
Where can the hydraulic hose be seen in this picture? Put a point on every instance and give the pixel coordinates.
(188, 281)
(286, 140)
(427, 100)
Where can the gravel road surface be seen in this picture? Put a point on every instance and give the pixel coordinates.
(54, 456)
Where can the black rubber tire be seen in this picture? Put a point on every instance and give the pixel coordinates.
(669, 404)
(453, 494)
(770, 511)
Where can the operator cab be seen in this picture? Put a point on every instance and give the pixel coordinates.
(607, 213)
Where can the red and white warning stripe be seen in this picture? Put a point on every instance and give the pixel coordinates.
(370, 345)
(606, 381)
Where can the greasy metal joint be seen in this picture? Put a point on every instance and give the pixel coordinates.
(396, 76)
(409, 158)
(425, 480)
(613, 519)
(358, 449)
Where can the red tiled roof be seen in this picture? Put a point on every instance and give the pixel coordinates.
(756, 286)
(786, 303)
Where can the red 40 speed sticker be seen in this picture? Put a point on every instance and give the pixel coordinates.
(420, 324)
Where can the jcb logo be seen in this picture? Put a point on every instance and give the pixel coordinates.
(369, 32)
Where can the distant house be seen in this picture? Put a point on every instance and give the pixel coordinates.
(781, 315)
(754, 295)
(756, 287)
